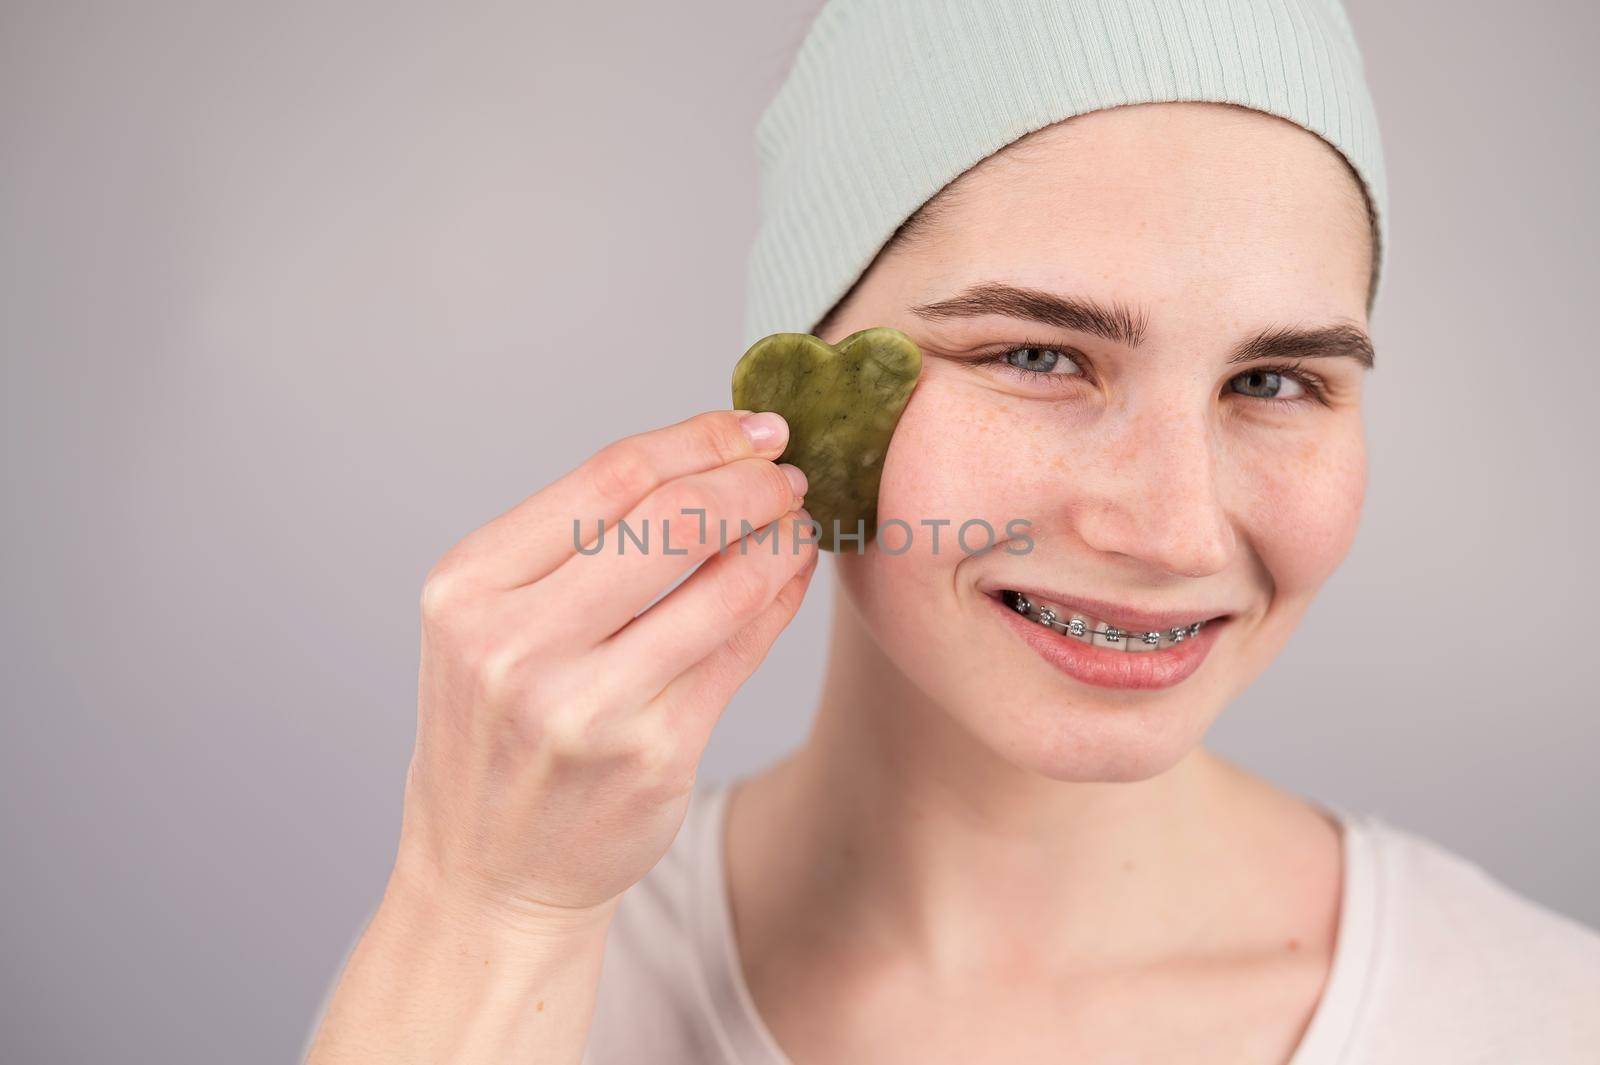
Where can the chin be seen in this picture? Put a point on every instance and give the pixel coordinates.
(1029, 706)
(1031, 714)
(1082, 740)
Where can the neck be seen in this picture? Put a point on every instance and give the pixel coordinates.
(893, 832)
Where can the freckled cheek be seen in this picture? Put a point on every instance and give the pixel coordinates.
(960, 461)
(1304, 507)
(954, 456)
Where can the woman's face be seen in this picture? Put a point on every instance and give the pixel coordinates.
(1187, 471)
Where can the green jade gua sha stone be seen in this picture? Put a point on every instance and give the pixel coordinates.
(842, 403)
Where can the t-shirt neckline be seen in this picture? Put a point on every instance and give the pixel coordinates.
(746, 1040)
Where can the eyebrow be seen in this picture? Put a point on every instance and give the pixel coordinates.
(1121, 324)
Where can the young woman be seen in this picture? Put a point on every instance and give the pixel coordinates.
(1145, 334)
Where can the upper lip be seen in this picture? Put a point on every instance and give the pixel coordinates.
(1128, 618)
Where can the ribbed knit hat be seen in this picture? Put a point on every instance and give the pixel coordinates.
(887, 101)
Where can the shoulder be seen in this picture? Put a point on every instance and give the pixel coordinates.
(652, 1000)
(1465, 963)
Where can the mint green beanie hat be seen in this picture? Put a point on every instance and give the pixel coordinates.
(887, 101)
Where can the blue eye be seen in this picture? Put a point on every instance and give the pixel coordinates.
(1266, 384)
(1287, 384)
(1040, 361)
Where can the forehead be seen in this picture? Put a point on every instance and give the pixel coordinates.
(1185, 205)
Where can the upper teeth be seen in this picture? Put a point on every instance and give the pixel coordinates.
(1049, 615)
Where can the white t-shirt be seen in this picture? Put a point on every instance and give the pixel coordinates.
(1435, 962)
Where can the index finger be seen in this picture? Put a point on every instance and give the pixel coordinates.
(532, 539)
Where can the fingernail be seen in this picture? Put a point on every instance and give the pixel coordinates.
(797, 479)
(765, 429)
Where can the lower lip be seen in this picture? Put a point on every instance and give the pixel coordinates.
(1105, 668)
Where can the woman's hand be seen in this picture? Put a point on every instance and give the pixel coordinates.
(559, 733)
(562, 715)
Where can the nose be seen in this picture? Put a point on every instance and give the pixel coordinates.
(1152, 492)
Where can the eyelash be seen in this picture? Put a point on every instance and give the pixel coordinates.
(1316, 388)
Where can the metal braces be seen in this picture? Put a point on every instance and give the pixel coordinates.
(1078, 627)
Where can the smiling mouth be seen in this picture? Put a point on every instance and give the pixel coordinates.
(1098, 632)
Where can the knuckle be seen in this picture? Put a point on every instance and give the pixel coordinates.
(800, 536)
(746, 647)
(646, 755)
(792, 593)
(685, 497)
(621, 473)
(743, 590)
(445, 591)
(536, 739)
(778, 486)
(718, 435)
(765, 488)
(564, 731)
(658, 762)
(500, 672)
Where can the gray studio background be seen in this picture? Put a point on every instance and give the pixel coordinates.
(294, 295)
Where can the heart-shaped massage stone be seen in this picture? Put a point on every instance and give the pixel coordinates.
(842, 402)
